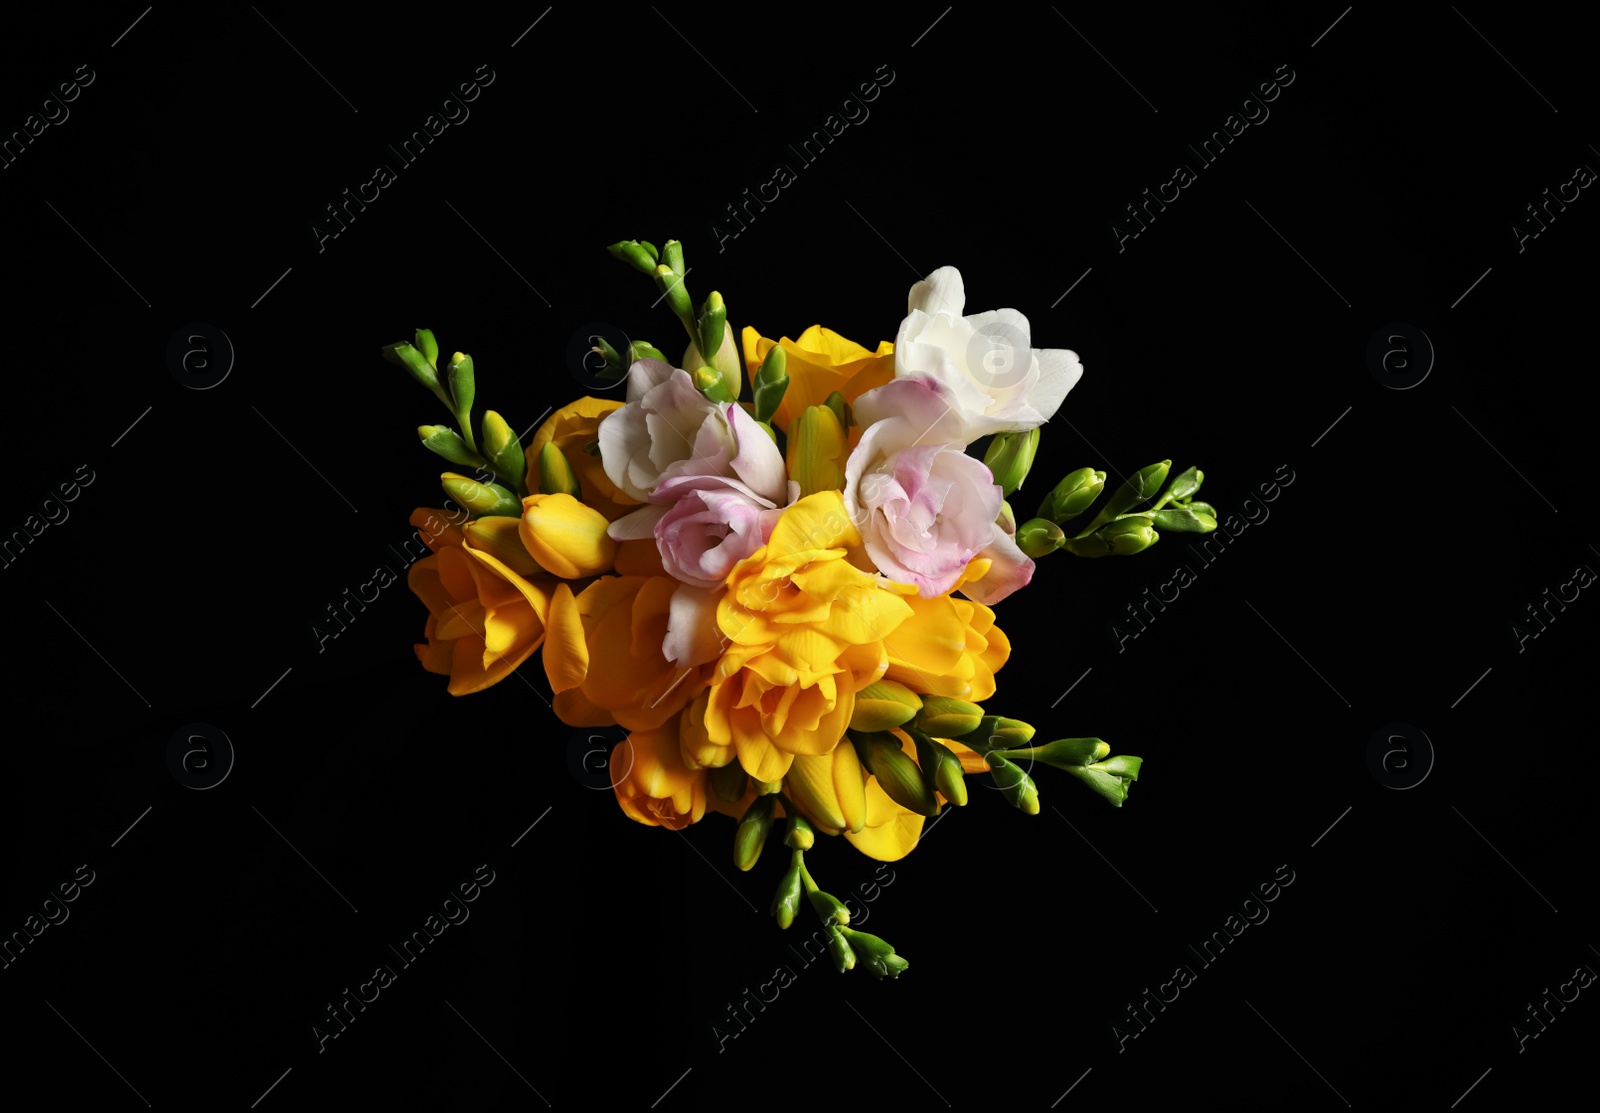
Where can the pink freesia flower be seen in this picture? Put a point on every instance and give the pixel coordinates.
(718, 505)
(923, 507)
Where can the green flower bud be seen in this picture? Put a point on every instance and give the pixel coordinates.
(1073, 495)
(671, 285)
(1141, 485)
(1013, 783)
(415, 363)
(768, 788)
(940, 764)
(818, 445)
(1123, 765)
(841, 409)
(843, 957)
(1204, 508)
(672, 255)
(1184, 519)
(556, 476)
(997, 732)
(800, 836)
(503, 448)
(638, 350)
(713, 323)
(829, 908)
(771, 381)
(752, 833)
(1110, 778)
(463, 386)
(1127, 536)
(428, 346)
(897, 774)
(947, 717)
(728, 782)
(1182, 489)
(446, 442)
(883, 704)
(709, 381)
(615, 368)
(481, 499)
(1010, 456)
(786, 901)
(878, 955)
(1063, 753)
(639, 255)
(1039, 536)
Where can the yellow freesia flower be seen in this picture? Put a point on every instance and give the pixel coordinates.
(805, 631)
(652, 784)
(949, 647)
(484, 619)
(819, 363)
(571, 429)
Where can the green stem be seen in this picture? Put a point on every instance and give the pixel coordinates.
(806, 879)
(465, 420)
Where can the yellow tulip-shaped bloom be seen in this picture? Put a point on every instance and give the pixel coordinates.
(819, 363)
(567, 537)
(484, 618)
(572, 429)
(652, 784)
(805, 631)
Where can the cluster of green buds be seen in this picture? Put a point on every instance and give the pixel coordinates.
(886, 705)
(846, 945)
(712, 357)
(1088, 759)
(1118, 528)
(496, 456)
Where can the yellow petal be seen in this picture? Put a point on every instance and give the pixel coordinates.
(890, 832)
(850, 786)
(566, 651)
(810, 783)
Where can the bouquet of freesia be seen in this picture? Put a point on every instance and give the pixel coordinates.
(773, 565)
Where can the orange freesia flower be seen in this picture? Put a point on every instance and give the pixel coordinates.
(484, 619)
(805, 631)
(604, 659)
(652, 783)
(819, 363)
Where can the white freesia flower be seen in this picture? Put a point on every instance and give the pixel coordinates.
(1000, 382)
(668, 428)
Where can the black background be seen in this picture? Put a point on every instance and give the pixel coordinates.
(600, 965)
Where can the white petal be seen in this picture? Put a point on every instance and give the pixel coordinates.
(941, 292)
(1059, 372)
(640, 524)
(646, 374)
(692, 636)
